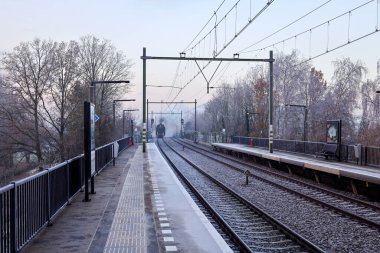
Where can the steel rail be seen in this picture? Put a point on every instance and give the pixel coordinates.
(294, 180)
(229, 231)
(338, 209)
(279, 225)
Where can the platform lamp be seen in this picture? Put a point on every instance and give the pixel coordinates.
(304, 118)
(128, 110)
(114, 107)
(89, 138)
(93, 84)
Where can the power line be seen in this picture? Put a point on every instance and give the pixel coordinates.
(327, 23)
(286, 26)
(237, 33)
(340, 46)
(196, 36)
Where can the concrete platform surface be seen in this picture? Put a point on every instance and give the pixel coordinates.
(139, 206)
(362, 173)
(181, 226)
(84, 226)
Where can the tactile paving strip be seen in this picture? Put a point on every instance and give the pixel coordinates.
(128, 233)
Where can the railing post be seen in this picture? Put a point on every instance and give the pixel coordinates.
(48, 204)
(68, 183)
(113, 154)
(81, 173)
(13, 215)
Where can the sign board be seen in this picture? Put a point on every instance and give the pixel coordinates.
(115, 149)
(89, 146)
(333, 132)
(96, 118)
(92, 138)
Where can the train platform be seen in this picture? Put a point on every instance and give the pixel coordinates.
(139, 206)
(340, 169)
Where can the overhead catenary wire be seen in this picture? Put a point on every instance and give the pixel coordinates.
(286, 26)
(237, 33)
(328, 22)
(196, 36)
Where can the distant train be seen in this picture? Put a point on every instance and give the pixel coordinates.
(160, 130)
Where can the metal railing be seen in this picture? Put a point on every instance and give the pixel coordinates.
(209, 137)
(367, 156)
(28, 205)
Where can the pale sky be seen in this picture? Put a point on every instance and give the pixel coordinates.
(166, 27)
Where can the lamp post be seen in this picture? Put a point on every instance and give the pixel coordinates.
(93, 83)
(247, 119)
(114, 105)
(89, 138)
(128, 110)
(304, 118)
(132, 130)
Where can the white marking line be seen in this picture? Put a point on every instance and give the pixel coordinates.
(160, 205)
(163, 219)
(166, 231)
(158, 201)
(160, 209)
(164, 225)
(206, 223)
(168, 239)
(170, 248)
(162, 214)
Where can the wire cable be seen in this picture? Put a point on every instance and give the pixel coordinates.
(196, 36)
(225, 46)
(309, 29)
(286, 26)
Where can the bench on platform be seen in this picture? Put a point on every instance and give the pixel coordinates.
(328, 150)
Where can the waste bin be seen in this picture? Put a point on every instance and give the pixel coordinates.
(358, 151)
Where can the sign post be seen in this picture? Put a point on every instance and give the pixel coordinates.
(89, 147)
(334, 133)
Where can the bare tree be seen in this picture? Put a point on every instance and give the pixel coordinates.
(291, 78)
(342, 98)
(101, 61)
(59, 103)
(29, 71)
(314, 102)
(370, 104)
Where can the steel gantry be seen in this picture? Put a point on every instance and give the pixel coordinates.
(181, 102)
(166, 113)
(236, 58)
(124, 111)
(114, 105)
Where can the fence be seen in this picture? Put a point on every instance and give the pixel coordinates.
(28, 205)
(369, 156)
(206, 137)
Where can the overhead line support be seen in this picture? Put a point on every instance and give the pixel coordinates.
(183, 57)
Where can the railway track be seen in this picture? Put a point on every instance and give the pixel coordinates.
(354, 208)
(252, 229)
